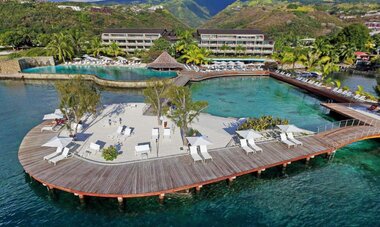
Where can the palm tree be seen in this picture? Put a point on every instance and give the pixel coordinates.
(346, 53)
(195, 55)
(337, 83)
(309, 60)
(328, 68)
(239, 49)
(96, 47)
(61, 47)
(77, 40)
(224, 48)
(114, 49)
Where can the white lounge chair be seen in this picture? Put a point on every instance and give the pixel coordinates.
(194, 154)
(142, 149)
(52, 155)
(167, 132)
(47, 128)
(155, 133)
(286, 141)
(119, 130)
(127, 131)
(244, 145)
(335, 89)
(206, 156)
(252, 143)
(93, 148)
(64, 155)
(294, 140)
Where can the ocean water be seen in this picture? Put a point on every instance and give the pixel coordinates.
(353, 80)
(342, 192)
(104, 72)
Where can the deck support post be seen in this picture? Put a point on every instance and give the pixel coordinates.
(161, 198)
(230, 180)
(81, 198)
(259, 174)
(307, 161)
(120, 200)
(283, 171)
(198, 188)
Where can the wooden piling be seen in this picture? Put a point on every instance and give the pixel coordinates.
(198, 188)
(230, 180)
(161, 198)
(120, 200)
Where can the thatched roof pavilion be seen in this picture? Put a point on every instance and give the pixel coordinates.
(165, 62)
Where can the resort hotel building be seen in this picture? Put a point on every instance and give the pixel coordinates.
(230, 41)
(218, 41)
(131, 40)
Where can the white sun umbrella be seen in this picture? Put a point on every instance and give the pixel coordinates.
(290, 129)
(58, 142)
(249, 134)
(198, 141)
(231, 63)
(121, 58)
(56, 115)
(107, 59)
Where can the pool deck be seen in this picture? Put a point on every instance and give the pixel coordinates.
(160, 176)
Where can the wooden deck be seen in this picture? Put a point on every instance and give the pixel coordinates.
(166, 175)
(342, 109)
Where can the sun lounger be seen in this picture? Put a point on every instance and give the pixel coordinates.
(119, 130)
(335, 89)
(155, 133)
(64, 155)
(167, 132)
(194, 154)
(253, 145)
(286, 141)
(340, 91)
(93, 148)
(206, 156)
(244, 145)
(47, 128)
(56, 153)
(142, 149)
(127, 131)
(294, 140)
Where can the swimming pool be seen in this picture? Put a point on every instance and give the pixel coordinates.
(119, 73)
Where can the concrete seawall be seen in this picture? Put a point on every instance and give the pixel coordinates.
(94, 78)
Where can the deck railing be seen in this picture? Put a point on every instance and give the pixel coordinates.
(362, 133)
(340, 124)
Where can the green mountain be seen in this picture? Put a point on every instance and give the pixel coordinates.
(276, 18)
(47, 18)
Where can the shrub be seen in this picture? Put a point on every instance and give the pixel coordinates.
(110, 153)
(262, 123)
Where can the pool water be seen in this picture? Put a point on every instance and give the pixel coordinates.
(120, 73)
(258, 96)
(343, 192)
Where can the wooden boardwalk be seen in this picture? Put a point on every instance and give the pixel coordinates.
(342, 109)
(166, 175)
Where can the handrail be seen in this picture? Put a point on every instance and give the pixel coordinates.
(340, 124)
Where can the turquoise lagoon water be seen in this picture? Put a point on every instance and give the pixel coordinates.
(344, 192)
(104, 72)
(258, 96)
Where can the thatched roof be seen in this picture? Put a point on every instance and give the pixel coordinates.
(165, 61)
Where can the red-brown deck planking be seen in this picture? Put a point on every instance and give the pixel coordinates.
(166, 175)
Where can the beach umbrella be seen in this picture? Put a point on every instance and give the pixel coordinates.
(121, 58)
(198, 141)
(249, 134)
(56, 115)
(58, 142)
(290, 129)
